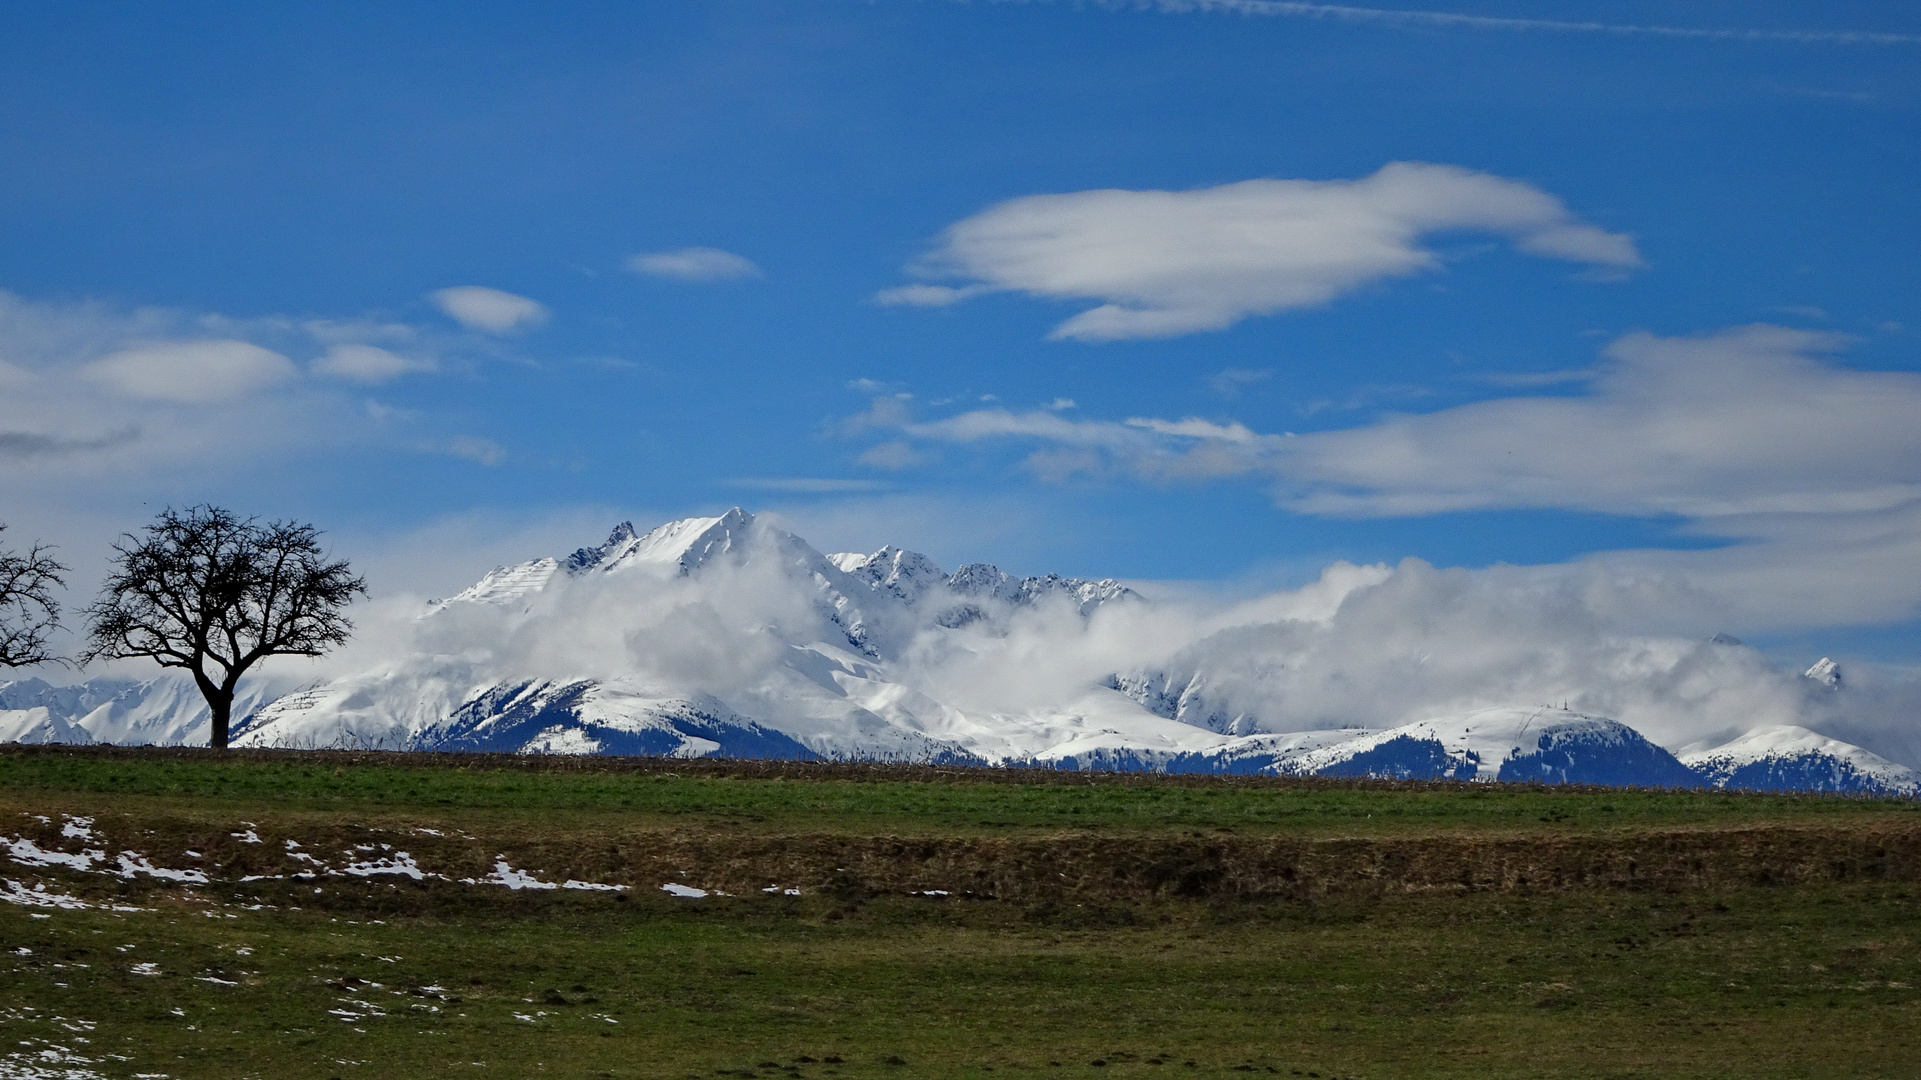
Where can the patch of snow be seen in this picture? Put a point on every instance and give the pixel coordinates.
(132, 862)
(27, 853)
(38, 896)
(514, 879)
(399, 863)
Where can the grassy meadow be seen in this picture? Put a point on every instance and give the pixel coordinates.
(935, 922)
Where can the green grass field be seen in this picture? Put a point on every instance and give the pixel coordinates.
(1095, 926)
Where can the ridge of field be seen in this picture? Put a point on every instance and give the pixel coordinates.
(873, 799)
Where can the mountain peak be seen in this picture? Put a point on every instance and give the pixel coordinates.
(906, 574)
(1826, 672)
(684, 545)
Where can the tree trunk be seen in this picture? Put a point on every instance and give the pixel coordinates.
(221, 706)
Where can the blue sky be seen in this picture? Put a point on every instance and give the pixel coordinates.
(227, 232)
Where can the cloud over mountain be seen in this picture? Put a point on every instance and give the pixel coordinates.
(730, 635)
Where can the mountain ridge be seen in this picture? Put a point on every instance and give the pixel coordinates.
(731, 636)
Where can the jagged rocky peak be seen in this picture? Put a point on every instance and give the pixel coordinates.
(911, 576)
(981, 580)
(985, 581)
(1725, 639)
(1086, 595)
(588, 558)
(906, 574)
(1181, 696)
(1826, 672)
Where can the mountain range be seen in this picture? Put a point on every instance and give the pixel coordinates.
(731, 636)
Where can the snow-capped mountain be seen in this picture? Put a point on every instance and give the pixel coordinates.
(1545, 745)
(731, 636)
(1826, 672)
(1512, 745)
(1789, 758)
(792, 657)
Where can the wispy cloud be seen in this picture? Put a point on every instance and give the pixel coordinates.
(806, 485)
(1231, 381)
(476, 449)
(1751, 420)
(1523, 380)
(892, 455)
(695, 264)
(929, 295)
(1752, 435)
(1453, 20)
(1166, 263)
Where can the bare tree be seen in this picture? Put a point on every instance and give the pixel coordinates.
(215, 594)
(28, 610)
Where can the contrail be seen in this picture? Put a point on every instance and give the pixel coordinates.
(1394, 17)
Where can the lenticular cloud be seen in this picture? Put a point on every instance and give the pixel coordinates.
(1166, 263)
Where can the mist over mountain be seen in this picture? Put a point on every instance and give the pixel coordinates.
(732, 636)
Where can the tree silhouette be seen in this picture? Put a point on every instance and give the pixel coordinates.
(28, 611)
(215, 594)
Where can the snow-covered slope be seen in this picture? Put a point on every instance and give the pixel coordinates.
(1789, 758)
(1512, 745)
(40, 725)
(163, 711)
(728, 635)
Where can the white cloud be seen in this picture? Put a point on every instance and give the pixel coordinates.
(477, 307)
(367, 364)
(1751, 420)
(1808, 471)
(1747, 421)
(1165, 263)
(695, 264)
(120, 402)
(191, 372)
